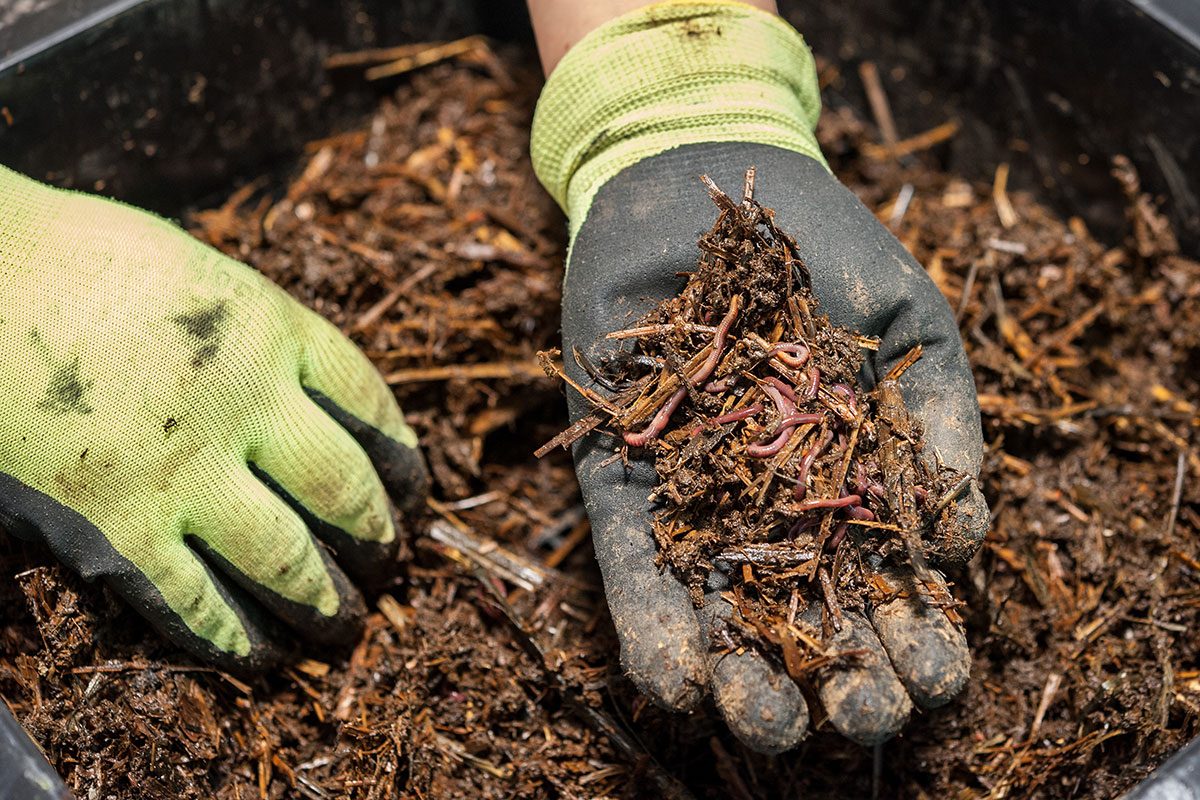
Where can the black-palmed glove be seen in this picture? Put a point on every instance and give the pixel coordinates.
(626, 124)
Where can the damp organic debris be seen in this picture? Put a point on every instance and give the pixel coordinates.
(421, 231)
(776, 466)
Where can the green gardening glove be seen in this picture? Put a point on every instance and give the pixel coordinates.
(174, 423)
(628, 121)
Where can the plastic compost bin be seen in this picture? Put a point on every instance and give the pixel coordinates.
(166, 104)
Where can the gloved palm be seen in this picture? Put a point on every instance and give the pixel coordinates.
(176, 424)
(625, 163)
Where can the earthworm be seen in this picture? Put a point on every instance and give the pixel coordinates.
(847, 394)
(723, 385)
(839, 533)
(806, 463)
(772, 447)
(785, 407)
(794, 355)
(802, 419)
(832, 502)
(860, 479)
(782, 388)
(660, 420)
(860, 513)
(732, 416)
(658, 423)
(718, 346)
(778, 391)
(800, 526)
(787, 426)
(814, 383)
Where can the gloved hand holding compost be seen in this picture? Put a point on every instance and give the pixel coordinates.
(640, 106)
(177, 425)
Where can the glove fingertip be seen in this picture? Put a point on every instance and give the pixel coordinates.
(671, 671)
(762, 706)
(961, 528)
(401, 468)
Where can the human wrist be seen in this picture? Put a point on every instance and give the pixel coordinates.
(558, 26)
(666, 75)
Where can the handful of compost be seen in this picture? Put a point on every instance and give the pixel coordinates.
(776, 468)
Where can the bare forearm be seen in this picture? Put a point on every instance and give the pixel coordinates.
(559, 24)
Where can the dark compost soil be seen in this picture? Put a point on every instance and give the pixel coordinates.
(489, 668)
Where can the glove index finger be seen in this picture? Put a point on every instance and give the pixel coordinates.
(343, 382)
(939, 393)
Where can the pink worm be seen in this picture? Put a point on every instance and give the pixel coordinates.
(784, 398)
(772, 447)
(718, 347)
(791, 355)
(782, 388)
(658, 423)
(802, 419)
(860, 479)
(860, 513)
(838, 502)
(723, 385)
(732, 416)
(814, 383)
(660, 420)
(807, 461)
(839, 533)
(787, 427)
(847, 394)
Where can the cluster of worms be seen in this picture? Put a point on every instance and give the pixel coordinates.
(769, 458)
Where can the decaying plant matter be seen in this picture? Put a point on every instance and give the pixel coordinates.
(444, 261)
(775, 467)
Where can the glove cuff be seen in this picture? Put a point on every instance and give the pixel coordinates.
(674, 73)
(25, 209)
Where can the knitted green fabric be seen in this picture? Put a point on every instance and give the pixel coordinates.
(671, 74)
(143, 371)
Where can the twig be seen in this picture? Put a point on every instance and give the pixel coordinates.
(902, 366)
(516, 570)
(423, 58)
(572, 434)
(913, 144)
(880, 108)
(1177, 494)
(1048, 692)
(466, 372)
(658, 330)
(376, 312)
(968, 286)
(1004, 207)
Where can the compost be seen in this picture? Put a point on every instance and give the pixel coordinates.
(489, 667)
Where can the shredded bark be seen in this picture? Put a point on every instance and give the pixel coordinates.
(1081, 610)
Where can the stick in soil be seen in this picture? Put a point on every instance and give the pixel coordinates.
(804, 462)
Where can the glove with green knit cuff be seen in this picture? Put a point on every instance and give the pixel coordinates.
(626, 124)
(174, 423)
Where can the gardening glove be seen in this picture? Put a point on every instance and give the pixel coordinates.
(173, 422)
(626, 124)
